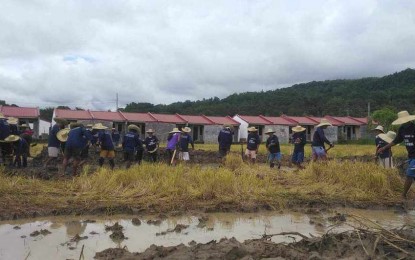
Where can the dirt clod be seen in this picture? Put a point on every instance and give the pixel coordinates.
(16, 227)
(136, 221)
(117, 235)
(115, 227)
(155, 222)
(42, 232)
(78, 238)
(337, 218)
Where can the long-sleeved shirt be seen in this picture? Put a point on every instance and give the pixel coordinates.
(319, 138)
(299, 140)
(151, 142)
(185, 140)
(172, 142)
(273, 144)
(131, 142)
(379, 144)
(4, 129)
(406, 134)
(52, 139)
(77, 138)
(253, 141)
(105, 140)
(20, 147)
(225, 138)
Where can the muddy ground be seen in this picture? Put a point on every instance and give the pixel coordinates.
(360, 243)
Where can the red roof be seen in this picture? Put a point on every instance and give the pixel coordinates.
(361, 119)
(108, 116)
(279, 120)
(199, 120)
(20, 112)
(332, 120)
(165, 118)
(222, 120)
(302, 120)
(73, 114)
(255, 120)
(346, 120)
(138, 117)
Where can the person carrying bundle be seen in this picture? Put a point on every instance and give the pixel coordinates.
(152, 145)
(299, 139)
(406, 134)
(130, 144)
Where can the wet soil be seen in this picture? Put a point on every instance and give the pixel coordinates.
(354, 244)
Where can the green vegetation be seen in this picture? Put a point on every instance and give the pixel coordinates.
(318, 98)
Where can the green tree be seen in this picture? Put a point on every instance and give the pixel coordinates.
(385, 117)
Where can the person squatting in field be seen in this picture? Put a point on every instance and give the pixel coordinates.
(77, 139)
(152, 145)
(20, 150)
(273, 147)
(406, 134)
(107, 146)
(319, 139)
(131, 143)
(299, 139)
(252, 144)
(225, 140)
(172, 143)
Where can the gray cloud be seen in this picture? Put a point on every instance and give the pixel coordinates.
(80, 53)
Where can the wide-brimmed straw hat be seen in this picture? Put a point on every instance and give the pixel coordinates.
(150, 131)
(24, 126)
(270, 131)
(99, 126)
(12, 138)
(252, 129)
(186, 129)
(175, 130)
(388, 137)
(133, 127)
(403, 117)
(379, 128)
(12, 121)
(62, 135)
(2, 116)
(298, 129)
(324, 122)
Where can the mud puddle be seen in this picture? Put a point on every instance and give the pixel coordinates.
(64, 237)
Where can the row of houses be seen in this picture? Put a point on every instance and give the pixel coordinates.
(204, 128)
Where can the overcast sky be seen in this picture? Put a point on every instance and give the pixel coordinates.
(81, 53)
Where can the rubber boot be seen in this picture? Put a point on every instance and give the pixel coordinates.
(271, 165)
(112, 163)
(101, 161)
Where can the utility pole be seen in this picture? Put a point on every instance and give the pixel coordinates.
(116, 100)
(368, 110)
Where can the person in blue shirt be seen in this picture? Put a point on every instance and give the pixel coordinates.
(225, 140)
(273, 147)
(252, 144)
(406, 134)
(87, 140)
(152, 145)
(185, 140)
(13, 122)
(319, 139)
(54, 144)
(116, 137)
(107, 146)
(74, 145)
(299, 139)
(130, 144)
(5, 148)
(20, 150)
(385, 157)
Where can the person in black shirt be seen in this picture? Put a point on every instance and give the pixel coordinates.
(385, 158)
(252, 144)
(273, 147)
(299, 140)
(406, 134)
(319, 139)
(152, 145)
(225, 140)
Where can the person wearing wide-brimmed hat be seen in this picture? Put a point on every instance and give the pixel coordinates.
(54, 144)
(131, 143)
(319, 139)
(20, 148)
(172, 143)
(77, 139)
(107, 146)
(13, 122)
(185, 140)
(385, 157)
(406, 134)
(5, 148)
(299, 139)
(116, 137)
(152, 145)
(225, 140)
(252, 144)
(273, 147)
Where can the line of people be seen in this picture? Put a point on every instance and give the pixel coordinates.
(15, 142)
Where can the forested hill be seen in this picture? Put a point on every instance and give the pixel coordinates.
(318, 98)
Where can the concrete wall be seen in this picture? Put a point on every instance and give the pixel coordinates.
(211, 133)
(331, 133)
(281, 131)
(161, 130)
